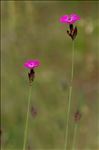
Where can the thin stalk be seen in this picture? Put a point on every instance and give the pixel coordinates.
(27, 118)
(69, 99)
(74, 136)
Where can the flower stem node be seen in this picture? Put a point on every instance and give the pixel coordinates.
(33, 111)
(77, 116)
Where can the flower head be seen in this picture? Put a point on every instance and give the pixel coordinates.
(69, 19)
(31, 64)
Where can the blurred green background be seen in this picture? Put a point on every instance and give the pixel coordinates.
(31, 30)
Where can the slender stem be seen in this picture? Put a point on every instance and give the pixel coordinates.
(74, 136)
(27, 118)
(69, 100)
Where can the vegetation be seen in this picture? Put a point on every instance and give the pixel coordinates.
(31, 30)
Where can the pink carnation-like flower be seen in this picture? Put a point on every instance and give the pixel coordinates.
(69, 19)
(31, 64)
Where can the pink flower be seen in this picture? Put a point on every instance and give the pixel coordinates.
(69, 19)
(31, 64)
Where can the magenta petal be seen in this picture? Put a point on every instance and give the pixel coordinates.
(69, 19)
(75, 17)
(64, 18)
(31, 64)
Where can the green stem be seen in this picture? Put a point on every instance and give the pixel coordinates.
(27, 118)
(69, 100)
(74, 136)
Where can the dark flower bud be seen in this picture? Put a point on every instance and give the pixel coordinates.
(71, 27)
(31, 75)
(75, 33)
